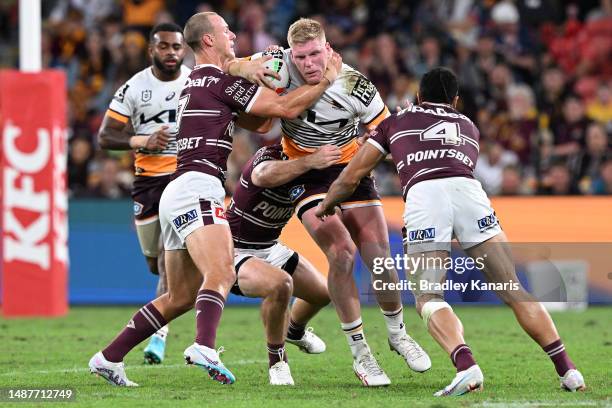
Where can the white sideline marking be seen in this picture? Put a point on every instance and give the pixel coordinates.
(518, 404)
(129, 368)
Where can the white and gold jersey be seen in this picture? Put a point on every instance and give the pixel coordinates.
(335, 118)
(149, 103)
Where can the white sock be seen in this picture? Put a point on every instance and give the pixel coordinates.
(395, 322)
(355, 337)
(162, 333)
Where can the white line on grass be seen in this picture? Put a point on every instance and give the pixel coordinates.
(521, 404)
(129, 368)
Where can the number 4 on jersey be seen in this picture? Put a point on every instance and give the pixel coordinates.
(446, 132)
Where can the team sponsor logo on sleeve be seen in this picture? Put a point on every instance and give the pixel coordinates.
(146, 95)
(240, 92)
(426, 234)
(184, 220)
(364, 90)
(138, 208)
(120, 95)
(296, 192)
(487, 222)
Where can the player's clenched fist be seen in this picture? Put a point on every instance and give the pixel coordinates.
(324, 157)
(158, 140)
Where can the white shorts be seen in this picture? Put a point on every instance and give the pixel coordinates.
(277, 255)
(440, 209)
(191, 201)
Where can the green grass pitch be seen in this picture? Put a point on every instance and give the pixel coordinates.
(55, 352)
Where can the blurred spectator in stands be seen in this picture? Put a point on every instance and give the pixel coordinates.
(513, 40)
(600, 108)
(80, 155)
(135, 57)
(511, 182)
(586, 163)
(516, 129)
(404, 89)
(349, 17)
(430, 56)
(491, 163)
(603, 183)
(96, 71)
(381, 63)
(557, 181)
(570, 131)
(108, 181)
(551, 92)
(252, 21)
(93, 11)
(141, 15)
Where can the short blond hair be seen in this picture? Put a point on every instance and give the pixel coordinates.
(304, 30)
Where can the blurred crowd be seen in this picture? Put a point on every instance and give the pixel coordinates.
(535, 76)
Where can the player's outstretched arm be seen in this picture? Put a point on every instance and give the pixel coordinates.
(289, 106)
(360, 166)
(114, 135)
(273, 173)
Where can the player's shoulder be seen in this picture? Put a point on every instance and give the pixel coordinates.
(132, 86)
(205, 76)
(353, 84)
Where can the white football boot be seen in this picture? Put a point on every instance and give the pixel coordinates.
(465, 381)
(573, 381)
(208, 359)
(114, 373)
(280, 374)
(368, 371)
(416, 358)
(310, 343)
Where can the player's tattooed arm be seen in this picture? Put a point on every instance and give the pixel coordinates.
(251, 70)
(116, 135)
(273, 173)
(254, 123)
(290, 105)
(360, 166)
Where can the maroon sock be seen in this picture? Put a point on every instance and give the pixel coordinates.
(462, 357)
(144, 323)
(276, 353)
(295, 331)
(209, 306)
(558, 355)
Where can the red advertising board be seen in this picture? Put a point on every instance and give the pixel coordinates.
(34, 221)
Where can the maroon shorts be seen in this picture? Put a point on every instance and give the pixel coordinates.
(146, 194)
(309, 189)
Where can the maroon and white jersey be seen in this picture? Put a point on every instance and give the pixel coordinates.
(207, 112)
(428, 141)
(257, 215)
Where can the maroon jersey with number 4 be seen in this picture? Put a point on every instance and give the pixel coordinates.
(207, 111)
(428, 141)
(257, 215)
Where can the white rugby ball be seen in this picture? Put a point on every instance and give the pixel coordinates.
(278, 65)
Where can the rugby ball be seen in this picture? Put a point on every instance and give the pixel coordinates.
(278, 65)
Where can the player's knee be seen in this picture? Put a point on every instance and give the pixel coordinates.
(427, 305)
(181, 300)
(283, 287)
(342, 255)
